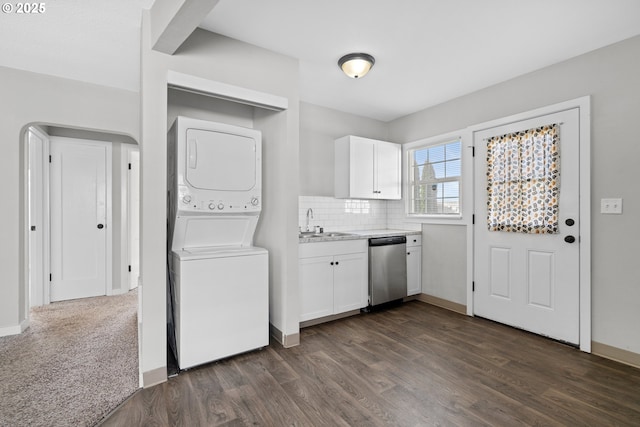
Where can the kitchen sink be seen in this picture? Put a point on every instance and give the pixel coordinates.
(306, 233)
(327, 234)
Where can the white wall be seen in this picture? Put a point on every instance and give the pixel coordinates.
(612, 77)
(217, 58)
(319, 128)
(444, 264)
(29, 98)
(207, 108)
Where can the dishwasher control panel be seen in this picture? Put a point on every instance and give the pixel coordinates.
(390, 240)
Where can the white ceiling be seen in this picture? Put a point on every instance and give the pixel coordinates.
(95, 41)
(427, 51)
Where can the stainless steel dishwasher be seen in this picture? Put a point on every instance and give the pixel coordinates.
(387, 269)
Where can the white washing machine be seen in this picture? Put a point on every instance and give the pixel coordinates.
(218, 285)
(221, 303)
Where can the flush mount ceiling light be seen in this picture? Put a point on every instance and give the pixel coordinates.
(356, 65)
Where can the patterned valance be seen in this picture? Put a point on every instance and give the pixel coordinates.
(523, 181)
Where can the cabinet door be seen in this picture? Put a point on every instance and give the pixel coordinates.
(414, 270)
(316, 287)
(350, 282)
(388, 165)
(361, 173)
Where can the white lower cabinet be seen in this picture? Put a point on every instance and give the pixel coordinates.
(350, 282)
(316, 287)
(414, 264)
(333, 277)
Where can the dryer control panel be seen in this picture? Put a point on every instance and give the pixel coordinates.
(193, 202)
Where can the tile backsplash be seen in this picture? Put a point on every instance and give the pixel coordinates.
(352, 214)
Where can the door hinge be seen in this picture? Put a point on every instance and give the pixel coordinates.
(49, 158)
(473, 219)
(129, 269)
(129, 166)
(473, 286)
(50, 277)
(473, 151)
(33, 228)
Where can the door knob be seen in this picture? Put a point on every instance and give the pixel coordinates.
(569, 239)
(100, 226)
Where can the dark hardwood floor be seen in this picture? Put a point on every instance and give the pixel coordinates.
(413, 365)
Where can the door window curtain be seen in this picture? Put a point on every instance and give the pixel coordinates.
(523, 181)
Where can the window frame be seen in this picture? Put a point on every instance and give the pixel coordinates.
(465, 180)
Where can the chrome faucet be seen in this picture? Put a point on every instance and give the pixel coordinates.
(309, 215)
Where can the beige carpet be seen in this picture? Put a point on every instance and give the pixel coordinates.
(76, 362)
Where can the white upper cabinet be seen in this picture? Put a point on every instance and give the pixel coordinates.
(367, 169)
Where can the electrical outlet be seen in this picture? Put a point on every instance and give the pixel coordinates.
(611, 206)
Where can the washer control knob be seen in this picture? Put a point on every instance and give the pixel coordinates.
(212, 206)
(186, 199)
(254, 201)
(220, 206)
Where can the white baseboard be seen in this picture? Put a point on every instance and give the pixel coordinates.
(154, 377)
(14, 330)
(287, 341)
(618, 354)
(442, 303)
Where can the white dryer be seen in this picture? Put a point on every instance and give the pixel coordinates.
(218, 285)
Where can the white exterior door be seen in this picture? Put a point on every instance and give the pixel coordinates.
(531, 281)
(78, 218)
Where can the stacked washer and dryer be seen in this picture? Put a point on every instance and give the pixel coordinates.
(218, 283)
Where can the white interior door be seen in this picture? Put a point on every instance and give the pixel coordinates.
(531, 281)
(78, 218)
(134, 218)
(36, 142)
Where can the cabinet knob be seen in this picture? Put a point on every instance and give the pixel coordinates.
(331, 262)
(337, 263)
(408, 253)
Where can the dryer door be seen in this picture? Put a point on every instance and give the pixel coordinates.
(220, 161)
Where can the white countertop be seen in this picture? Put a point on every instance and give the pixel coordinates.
(359, 234)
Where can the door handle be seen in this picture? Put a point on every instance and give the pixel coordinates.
(569, 239)
(100, 226)
(192, 153)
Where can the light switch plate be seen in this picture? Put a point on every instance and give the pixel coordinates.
(611, 206)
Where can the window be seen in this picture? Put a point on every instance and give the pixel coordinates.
(523, 181)
(434, 179)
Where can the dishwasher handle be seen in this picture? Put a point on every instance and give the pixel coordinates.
(384, 241)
